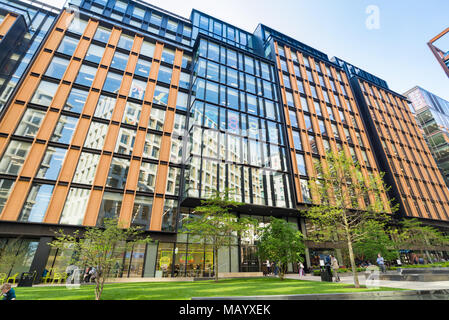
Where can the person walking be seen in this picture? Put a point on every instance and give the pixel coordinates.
(335, 267)
(8, 292)
(381, 263)
(268, 264)
(301, 269)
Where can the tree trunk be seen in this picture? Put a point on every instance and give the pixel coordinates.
(216, 264)
(354, 267)
(97, 289)
(351, 253)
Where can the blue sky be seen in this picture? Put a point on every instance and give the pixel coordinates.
(396, 52)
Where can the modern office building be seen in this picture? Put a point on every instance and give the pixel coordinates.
(132, 112)
(432, 115)
(442, 55)
(400, 148)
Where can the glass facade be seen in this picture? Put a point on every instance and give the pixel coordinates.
(137, 113)
(432, 114)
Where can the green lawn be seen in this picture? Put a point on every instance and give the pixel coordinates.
(187, 290)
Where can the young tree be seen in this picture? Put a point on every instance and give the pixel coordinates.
(96, 248)
(214, 225)
(282, 243)
(377, 240)
(344, 200)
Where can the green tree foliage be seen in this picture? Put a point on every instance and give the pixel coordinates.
(344, 200)
(214, 224)
(97, 248)
(280, 242)
(11, 253)
(377, 240)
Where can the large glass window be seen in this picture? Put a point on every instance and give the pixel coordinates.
(297, 140)
(5, 190)
(184, 80)
(30, 123)
(301, 164)
(169, 215)
(113, 82)
(86, 169)
(142, 212)
(65, 128)
(181, 101)
(147, 49)
(76, 100)
(14, 157)
(126, 42)
(118, 173)
(102, 34)
(147, 177)
(120, 60)
(132, 113)
(86, 75)
(168, 55)
(143, 68)
(75, 207)
(125, 141)
(161, 95)
(51, 163)
(78, 25)
(137, 90)
(105, 107)
(165, 74)
(37, 203)
(110, 207)
(68, 45)
(95, 53)
(96, 135)
(173, 181)
(157, 119)
(152, 146)
(57, 67)
(44, 93)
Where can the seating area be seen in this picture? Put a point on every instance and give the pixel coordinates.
(11, 279)
(53, 276)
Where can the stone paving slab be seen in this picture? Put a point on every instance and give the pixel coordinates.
(410, 285)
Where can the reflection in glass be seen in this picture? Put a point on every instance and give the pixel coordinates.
(110, 207)
(76, 100)
(105, 107)
(125, 141)
(147, 177)
(30, 123)
(152, 146)
(142, 212)
(44, 93)
(118, 173)
(75, 207)
(132, 113)
(36, 204)
(64, 129)
(96, 135)
(14, 157)
(87, 166)
(51, 163)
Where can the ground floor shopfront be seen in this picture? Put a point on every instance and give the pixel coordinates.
(168, 256)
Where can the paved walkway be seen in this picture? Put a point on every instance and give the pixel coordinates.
(411, 285)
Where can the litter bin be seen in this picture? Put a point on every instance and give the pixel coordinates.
(325, 275)
(27, 279)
